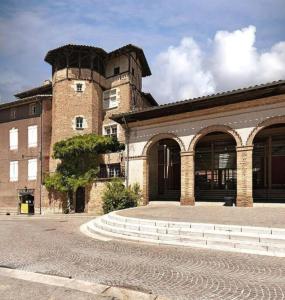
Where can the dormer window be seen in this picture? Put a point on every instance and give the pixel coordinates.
(117, 71)
(13, 114)
(79, 123)
(33, 109)
(79, 87)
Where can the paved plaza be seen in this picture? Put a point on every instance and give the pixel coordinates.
(215, 213)
(55, 246)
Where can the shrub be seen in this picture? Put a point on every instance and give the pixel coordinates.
(116, 196)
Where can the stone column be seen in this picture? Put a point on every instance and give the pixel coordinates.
(145, 188)
(244, 176)
(187, 178)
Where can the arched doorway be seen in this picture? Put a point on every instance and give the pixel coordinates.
(268, 168)
(215, 167)
(80, 200)
(164, 170)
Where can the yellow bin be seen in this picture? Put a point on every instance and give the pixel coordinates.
(24, 208)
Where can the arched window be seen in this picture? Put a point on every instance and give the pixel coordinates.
(79, 122)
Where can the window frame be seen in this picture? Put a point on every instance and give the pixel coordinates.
(14, 171)
(32, 142)
(33, 109)
(15, 146)
(13, 114)
(81, 127)
(111, 98)
(116, 71)
(32, 176)
(111, 133)
(79, 90)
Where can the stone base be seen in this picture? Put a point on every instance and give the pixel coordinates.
(244, 202)
(187, 201)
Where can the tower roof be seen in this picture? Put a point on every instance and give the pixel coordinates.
(52, 54)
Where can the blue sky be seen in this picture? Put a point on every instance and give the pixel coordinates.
(197, 47)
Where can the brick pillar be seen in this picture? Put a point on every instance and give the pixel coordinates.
(187, 178)
(244, 176)
(145, 188)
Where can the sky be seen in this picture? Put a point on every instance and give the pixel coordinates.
(193, 47)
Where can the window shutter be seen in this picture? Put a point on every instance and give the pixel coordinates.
(33, 136)
(13, 171)
(32, 169)
(13, 139)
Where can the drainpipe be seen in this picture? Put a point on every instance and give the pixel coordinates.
(127, 131)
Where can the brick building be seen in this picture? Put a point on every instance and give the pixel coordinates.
(88, 85)
(203, 149)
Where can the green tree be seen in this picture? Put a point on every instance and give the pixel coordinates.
(78, 166)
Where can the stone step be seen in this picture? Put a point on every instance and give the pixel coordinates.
(219, 244)
(184, 234)
(198, 226)
(213, 236)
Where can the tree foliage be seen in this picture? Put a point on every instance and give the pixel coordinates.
(78, 161)
(116, 196)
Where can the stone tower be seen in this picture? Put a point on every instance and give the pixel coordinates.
(90, 85)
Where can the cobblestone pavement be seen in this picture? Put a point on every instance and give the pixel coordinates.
(56, 246)
(172, 211)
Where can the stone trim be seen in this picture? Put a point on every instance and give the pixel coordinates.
(139, 157)
(157, 137)
(262, 125)
(213, 128)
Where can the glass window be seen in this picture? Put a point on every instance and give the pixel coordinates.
(33, 109)
(117, 71)
(14, 171)
(33, 136)
(32, 169)
(13, 134)
(79, 123)
(110, 170)
(111, 130)
(79, 87)
(13, 114)
(110, 98)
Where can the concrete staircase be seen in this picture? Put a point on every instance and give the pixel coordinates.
(246, 239)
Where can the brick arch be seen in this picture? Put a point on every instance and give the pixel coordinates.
(215, 128)
(161, 136)
(262, 125)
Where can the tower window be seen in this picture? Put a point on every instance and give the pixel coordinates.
(117, 71)
(79, 87)
(79, 122)
(110, 98)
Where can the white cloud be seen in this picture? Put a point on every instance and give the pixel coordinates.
(232, 62)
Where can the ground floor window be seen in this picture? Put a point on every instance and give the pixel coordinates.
(110, 170)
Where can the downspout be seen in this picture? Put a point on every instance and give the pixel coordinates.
(127, 130)
(41, 157)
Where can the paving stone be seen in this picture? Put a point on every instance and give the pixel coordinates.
(57, 247)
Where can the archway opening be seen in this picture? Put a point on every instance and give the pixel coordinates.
(268, 165)
(80, 200)
(164, 170)
(215, 167)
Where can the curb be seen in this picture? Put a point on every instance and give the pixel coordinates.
(79, 285)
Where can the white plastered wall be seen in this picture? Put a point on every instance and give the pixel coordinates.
(243, 121)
